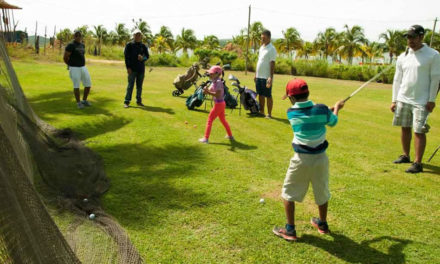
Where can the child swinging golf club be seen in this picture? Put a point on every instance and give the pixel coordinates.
(310, 162)
(217, 91)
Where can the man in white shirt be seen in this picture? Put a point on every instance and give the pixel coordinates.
(415, 88)
(264, 73)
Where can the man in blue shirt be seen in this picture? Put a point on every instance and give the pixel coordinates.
(136, 53)
(310, 162)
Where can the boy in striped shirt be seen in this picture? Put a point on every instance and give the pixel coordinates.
(310, 162)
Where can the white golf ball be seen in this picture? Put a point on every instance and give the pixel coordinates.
(85, 200)
(262, 200)
(92, 216)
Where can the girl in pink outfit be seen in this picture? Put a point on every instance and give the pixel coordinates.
(217, 91)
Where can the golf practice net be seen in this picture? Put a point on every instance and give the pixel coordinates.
(41, 165)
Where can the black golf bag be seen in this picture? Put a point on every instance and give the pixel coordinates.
(230, 100)
(248, 98)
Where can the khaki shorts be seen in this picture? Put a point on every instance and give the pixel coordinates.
(305, 169)
(407, 115)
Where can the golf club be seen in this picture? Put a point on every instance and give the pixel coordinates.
(366, 83)
(433, 154)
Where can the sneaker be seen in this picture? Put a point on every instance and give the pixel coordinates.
(126, 106)
(415, 168)
(203, 140)
(86, 103)
(80, 105)
(140, 104)
(321, 226)
(283, 233)
(229, 137)
(402, 159)
(269, 117)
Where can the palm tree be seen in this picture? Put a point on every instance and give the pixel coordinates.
(394, 41)
(352, 39)
(255, 31)
(372, 50)
(167, 36)
(241, 40)
(101, 34)
(291, 40)
(326, 41)
(186, 40)
(211, 42)
(160, 44)
(144, 28)
(306, 50)
(122, 33)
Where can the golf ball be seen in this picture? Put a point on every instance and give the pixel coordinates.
(85, 200)
(92, 216)
(261, 200)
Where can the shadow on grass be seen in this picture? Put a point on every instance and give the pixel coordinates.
(99, 126)
(54, 103)
(150, 183)
(235, 145)
(431, 169)
(350, 251)
(154, 109)
(282, 120)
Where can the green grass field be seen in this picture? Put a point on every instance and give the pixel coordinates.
(185, 202)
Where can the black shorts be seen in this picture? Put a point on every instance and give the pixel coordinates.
(260, 85)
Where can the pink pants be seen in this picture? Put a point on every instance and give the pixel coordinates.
(217, 111)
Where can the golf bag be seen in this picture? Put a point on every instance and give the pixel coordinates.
(230, 100)
(197, 98)
(185, 81)
(248, 98)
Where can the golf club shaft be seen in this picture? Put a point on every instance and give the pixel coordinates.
(366, 83)
(433, 154)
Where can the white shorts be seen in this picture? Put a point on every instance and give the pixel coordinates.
(78, 75)
(303, 170)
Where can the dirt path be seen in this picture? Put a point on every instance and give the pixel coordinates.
(106, 61)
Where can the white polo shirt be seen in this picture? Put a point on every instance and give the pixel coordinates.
(417, 76)
(266, 55)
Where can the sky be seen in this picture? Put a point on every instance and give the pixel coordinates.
(227, 17)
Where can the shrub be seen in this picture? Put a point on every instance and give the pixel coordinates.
(164, 59)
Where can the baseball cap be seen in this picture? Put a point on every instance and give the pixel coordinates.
(77, 32)
(296, 87)
(215, 69)
(137, 31)
(415, 30)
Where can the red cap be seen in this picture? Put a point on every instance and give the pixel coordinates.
(296, 87)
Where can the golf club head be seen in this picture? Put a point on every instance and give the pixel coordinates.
(227, 67)
(232, 78)
(235, 84)
(236, 90)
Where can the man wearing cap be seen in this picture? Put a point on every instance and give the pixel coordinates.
(264, 73)
(74, 58)
(415, 87)
(310, 162)
(136, 53)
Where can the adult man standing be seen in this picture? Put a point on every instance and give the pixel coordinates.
(74, 58)
(136, 53)
(264, 73)
(414, 91)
